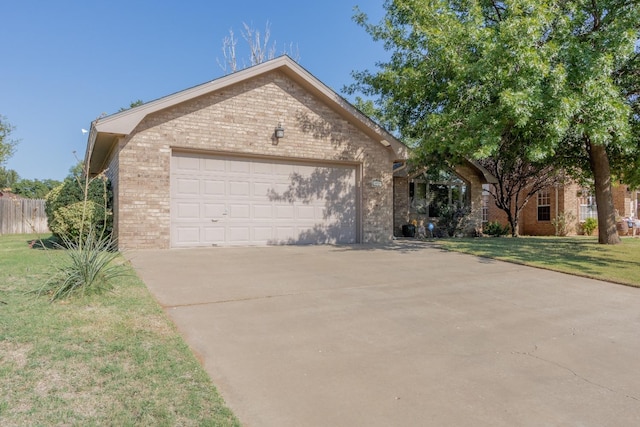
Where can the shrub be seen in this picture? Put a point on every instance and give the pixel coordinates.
(561, 223)
(65, 208)
(451, 219)
(589, 226)
(67, 220)
(496, 229)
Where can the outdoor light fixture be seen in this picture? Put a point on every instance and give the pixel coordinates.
(279, 132)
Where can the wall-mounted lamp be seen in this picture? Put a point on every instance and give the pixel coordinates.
(279, 132)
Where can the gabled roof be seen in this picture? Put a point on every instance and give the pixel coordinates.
(106, 131)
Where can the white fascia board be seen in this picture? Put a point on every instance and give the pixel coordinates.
(124, 123)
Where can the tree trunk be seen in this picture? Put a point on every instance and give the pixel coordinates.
(607, 233)
(513, 222)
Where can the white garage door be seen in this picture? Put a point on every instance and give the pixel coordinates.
(220, 200)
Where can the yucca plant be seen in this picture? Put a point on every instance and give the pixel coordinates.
(91, 261)
(89, 268)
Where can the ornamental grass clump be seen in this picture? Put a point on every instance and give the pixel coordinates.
(90, 267)
(80, 218)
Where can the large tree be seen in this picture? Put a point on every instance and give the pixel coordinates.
(464, 77)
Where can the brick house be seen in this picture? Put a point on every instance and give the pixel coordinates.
(536, 219)
(266, 155)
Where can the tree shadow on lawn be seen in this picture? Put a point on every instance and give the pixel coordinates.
(50, 242)
(553, 253)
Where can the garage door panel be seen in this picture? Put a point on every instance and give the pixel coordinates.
(239, 167)
(264, 212)
(188, 210)
(239, 188)
(188, 186)
(239, 234)
(212, 211)
(306, 212)
(263, 168)
(284, 233)
(262, 234)
(285, 212)
(187, 163)
(188, 235)
(213, 187)
(280, 190)
(214, 234)
(262, 189)
(239, 211)
(213, 165)
(251, 201)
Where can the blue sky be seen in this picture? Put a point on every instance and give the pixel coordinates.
(67, 62)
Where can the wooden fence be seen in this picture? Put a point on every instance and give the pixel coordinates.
(22, 216)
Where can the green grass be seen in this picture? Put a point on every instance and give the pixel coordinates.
(110, 359)
(581, 256)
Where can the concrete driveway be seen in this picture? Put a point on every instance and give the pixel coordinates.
(404, 335)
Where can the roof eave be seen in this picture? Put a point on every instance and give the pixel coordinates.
(105, 131)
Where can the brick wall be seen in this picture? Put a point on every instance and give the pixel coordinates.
(622, 200)
(563, 199)
(401, 211)
(241, 119)
(405, 214)
(112, 173)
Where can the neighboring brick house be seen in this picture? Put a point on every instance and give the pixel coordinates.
(536, 219)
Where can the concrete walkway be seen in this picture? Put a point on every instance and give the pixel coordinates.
(405, 335)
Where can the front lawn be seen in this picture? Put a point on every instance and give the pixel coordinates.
(578, 255)
(113, 359)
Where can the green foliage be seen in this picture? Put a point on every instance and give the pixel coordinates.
(132, 104)
(90, 268)
(8, 178)
(68, 220)
(7, 145)
(496, 229)
(451, 219)
(556, 77)
(65, 208)
(34, 188)
(76, 170)
(589, 226)
(562, 223)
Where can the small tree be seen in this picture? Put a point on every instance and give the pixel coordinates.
(7, 144)
(519, 179)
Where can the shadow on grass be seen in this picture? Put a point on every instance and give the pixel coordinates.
(50, 242)
(583, 256)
